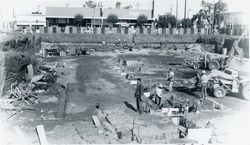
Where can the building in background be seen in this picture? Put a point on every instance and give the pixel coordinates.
(31, 22)
(128, 16)
(6, 23)
(234, 23)
(93, 17)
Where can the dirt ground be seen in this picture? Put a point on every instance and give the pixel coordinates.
(97, 79)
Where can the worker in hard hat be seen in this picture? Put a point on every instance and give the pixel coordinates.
(204, 83)
(159, 91)
(170, 79)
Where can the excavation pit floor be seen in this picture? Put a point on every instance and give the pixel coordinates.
(93, 79)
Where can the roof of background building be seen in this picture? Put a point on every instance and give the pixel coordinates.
(126, 13)
(70, 12)
(32, 19)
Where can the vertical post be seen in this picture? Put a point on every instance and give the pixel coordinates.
(176, 12)
(171, 9)
(153, 9)
(185, 9)
(94, 17)
(213, 17)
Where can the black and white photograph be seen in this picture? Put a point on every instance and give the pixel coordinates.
(76, 72)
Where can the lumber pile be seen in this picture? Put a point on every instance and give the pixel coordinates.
(22, 94)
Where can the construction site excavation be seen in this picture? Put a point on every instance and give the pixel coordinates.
(123, 89)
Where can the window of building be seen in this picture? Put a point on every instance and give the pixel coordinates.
(62, 21)
(71, 22)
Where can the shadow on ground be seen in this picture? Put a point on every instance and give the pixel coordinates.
(130, 106)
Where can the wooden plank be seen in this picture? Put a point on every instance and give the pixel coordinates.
(182, 129)
(152, 105)
(20, 135)
(96, 121)
(41, 135)
(106, 123)
(30, 71)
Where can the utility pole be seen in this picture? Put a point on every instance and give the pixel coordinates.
(171, 9)
(137, 5)
(185, 9)
(153, 8)
(38, 10)
(188, 12)
(176, 12)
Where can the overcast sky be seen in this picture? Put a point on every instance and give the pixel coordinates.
(161, 6)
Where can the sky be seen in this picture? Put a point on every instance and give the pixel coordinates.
(161, 6)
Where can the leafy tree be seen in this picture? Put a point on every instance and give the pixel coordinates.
(199, 17)
(210, 12)
(118, 5)
(90, 4)
(186, 23)
(167, 20)
(221, 6)
(141, 19)
(78, 19)
(112, 18)
(218, 8)
(128, 7)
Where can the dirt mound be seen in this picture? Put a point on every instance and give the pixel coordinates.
(12, 68)
(16, 52)
(20, 42)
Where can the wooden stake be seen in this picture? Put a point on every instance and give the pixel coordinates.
(41, 135)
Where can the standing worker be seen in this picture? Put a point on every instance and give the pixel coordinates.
(159, 89)
(204, 81)
(170, 79)
(139, 91)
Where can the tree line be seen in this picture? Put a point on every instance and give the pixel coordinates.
(209, 13)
